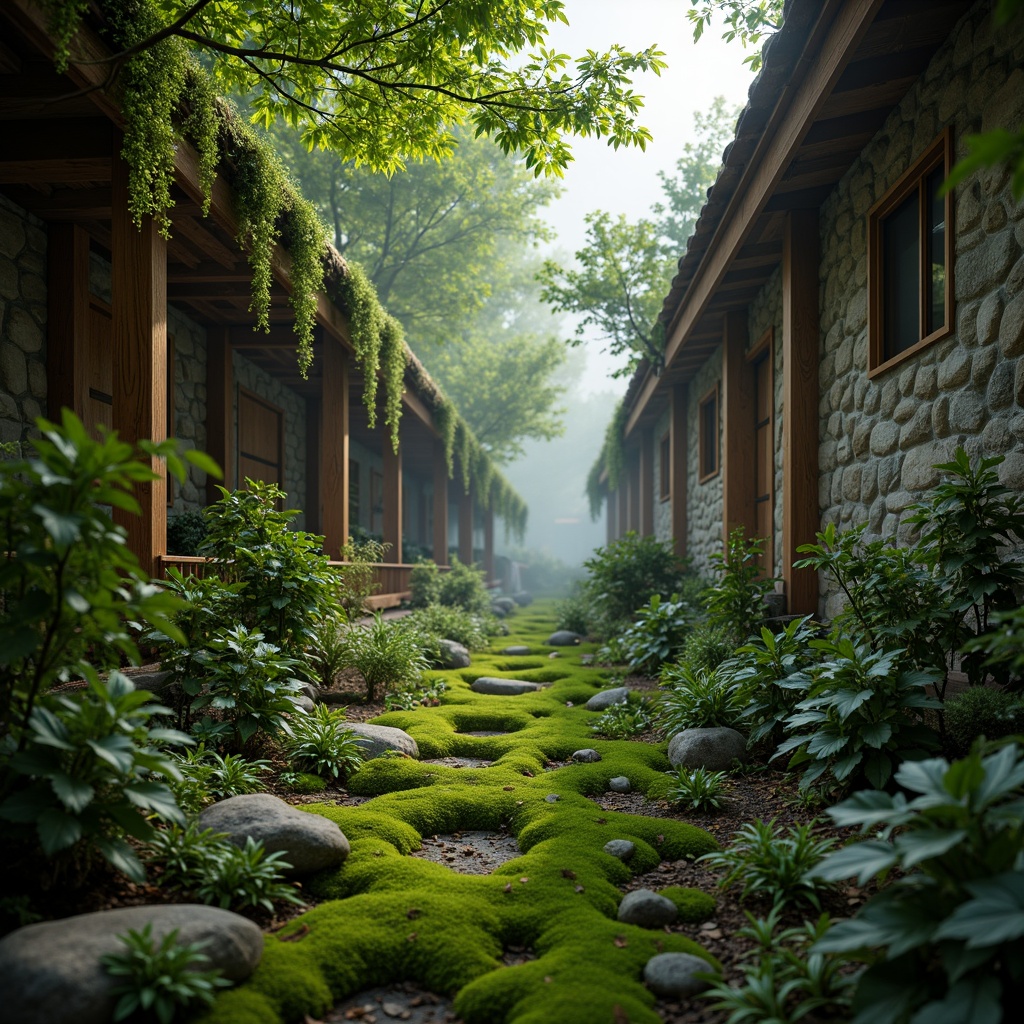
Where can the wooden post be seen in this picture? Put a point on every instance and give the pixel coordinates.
(466, 527)
(678, 461)
(611, 507)
(220, 413)
(622, 515)
(488, 545)
(440, 505)
(800, 518)
(139, 351)
(646, 522)
(67, 323)
(633, 470)
(738, 409)
(334, 447)
(314, 512)
(392, 498)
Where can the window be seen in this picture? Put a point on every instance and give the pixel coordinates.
(910, 260)
(707, 418)
(665, 467)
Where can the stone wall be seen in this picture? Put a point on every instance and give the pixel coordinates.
(703, 500)
(248, 375)
(880, 438)
(22, 321)
(662, 509)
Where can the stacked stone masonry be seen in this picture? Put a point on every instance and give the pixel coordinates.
(704, 500)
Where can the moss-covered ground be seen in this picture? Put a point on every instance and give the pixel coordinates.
(388, 917)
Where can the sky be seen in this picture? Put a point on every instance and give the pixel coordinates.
(626, 180)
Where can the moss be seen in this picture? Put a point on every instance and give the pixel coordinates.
(306, 783)
(694, 905)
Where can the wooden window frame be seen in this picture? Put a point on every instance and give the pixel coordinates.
(938, 154)
(665, 466)
(703, 473)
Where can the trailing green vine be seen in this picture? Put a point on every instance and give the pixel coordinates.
(392, 364)
(366, 318)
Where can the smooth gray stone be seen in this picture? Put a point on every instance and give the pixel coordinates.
(587, 755)
(564, 638)
(309, 842)
(523, 598)
(516, 650)
(620, 784)
(453, 654)
(676, 975)
(608, 698)
(497, 611)
(644, 907)
(378, 739)
(552, 798)
(503, 687)
(51, 972)
(715, 748)
(506, 604)
(623, 849)
(155, 682)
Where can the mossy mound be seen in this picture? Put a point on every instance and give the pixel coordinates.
(389, 917)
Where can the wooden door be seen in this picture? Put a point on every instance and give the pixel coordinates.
(764, 456)
(260, 439)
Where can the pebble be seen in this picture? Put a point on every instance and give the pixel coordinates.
(588, 755)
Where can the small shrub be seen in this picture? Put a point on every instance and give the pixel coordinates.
(621, 721)
(695, 699)
(424, 584)
(244, 877)
(706, 647)
(735, 601)
(326, 649)
(697, 788)
(411, 697)
(657, 635)
(357, 577)
(574, 611)
(319, 743)
(186, 532)
(769, 862)
(442, 622)
(160, 978)
(980, 711)
(386, 655)
(462, 586)
(180, 851)
(302, 782)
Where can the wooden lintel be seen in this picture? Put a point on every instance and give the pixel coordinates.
(74, 204)
(203, 240)
(55, 170)
(209, 271)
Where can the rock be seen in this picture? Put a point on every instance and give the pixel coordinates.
(305, 704)
(623, 849)
(503, 687)
(552, 798)
(516, 650)
(505, 603)
(714, 748)
(453, 654)
(497, 611)
(51, 972)
(553, 654)
(620, 784)
(523, 598)
(155, 682)
(378, 739)
(587, 756)
(646, 908)
(676, 975)
(309, 843)
(606, 698)
(564, 638)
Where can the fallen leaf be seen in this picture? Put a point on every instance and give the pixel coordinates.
(620, 941)
(528, 774)
(579, 888)
(508, 887)
(519, 803)
(412, 913)
(524, 880)
(566, 873)
(411, 937)
(299, 933)
(508, 789)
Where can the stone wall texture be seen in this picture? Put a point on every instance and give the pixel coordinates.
(880, 438)
(22, 322)
(189, 403)
(704, 500)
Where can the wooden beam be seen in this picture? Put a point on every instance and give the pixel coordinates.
(440, 539)
(678, 453)
(67, 323)
(76, 204)
(647, 497)
(220, 418)
(55, 169)
(139, 353)
(466, 527)
(800, 389)
(738, 409)
(392, 496)
(204, 240)
(334, 448)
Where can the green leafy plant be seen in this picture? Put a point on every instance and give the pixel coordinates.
(385, 655)
(424, 584)
(244, 877)
(408, 698)
(735, 600)
(186, 532)
(659, 632)
(302, 782)
(981, 711)
(706, 647)
(325, 653)
(1004, 646)
(84, 776)
(357, 578)
(861, 716)
(443, 622)
(697, 788)
(462, 586)
(320, 743)
(695, 699)
(573, 611)
(621, 721)
(949, 930)
(769, 862)
(160, 978)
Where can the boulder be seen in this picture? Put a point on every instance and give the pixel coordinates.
(552, 798)
(453, 654)
(503, 687)
(305, 704)
(309, 843)
(564, 638)
(506, 604)
(516, 650)
(676, 975)
(51, 972)
(587, 756)
(623, 849)
(644, 907)
(497, 611)
(155, 682)
(523, 598)
(714, 748)
(379, 739)
(606, 698)
(620, 784)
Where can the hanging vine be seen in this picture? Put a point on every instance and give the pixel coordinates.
(357, 296)
(392, 364)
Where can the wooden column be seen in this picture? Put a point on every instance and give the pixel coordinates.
(738, 409)
(220, 412)
(622, 515)
(611, 507)
(800, 388)
(488, 545)
(678, 454)
(314, 511)
(647, 498)
(139, 352)
(466, 527)
(633, 471)
(334, 447)
(440, 505)
(67, 322)
(392, 498)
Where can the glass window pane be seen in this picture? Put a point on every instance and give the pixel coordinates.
(900, 279)
(936, 252)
